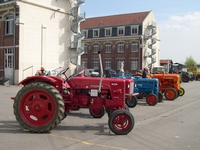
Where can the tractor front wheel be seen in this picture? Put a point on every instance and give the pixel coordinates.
(131, 102)
(152, 99)
(121, 122)
(170, 94)
(97, 113)
(181, 91)
(39, 107)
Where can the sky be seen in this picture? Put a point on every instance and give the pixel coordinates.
(178, 22)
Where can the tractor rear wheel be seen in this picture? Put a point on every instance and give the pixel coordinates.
(39, 107)
(152, 99)
(121, 122)
(97, 113)
(170, 94)
(131, 102)
(181, 91)
(185, 78)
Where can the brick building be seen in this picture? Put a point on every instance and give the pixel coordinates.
(130, 38)
(34, 34)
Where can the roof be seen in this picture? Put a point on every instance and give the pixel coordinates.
(165, 61)
(114, 20)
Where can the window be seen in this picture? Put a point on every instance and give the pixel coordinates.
(120, 48)
(8, 58)
(84, 63)
(134, 47)
(107, 63)
(107, 48)
(96, 48)
(134, 64)
(85, 33)
(134, 29)
(119, 61)
(85, 49)
(108, 32)
(9, 25)
(95, 63)
(96, 33)
(120, 30)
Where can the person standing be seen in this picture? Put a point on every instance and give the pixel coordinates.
(144, 73)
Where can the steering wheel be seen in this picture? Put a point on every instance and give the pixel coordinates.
(63, 72)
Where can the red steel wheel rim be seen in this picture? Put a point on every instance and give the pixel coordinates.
(37, 107)
(170, 94)
(121, 122)
(151, 99)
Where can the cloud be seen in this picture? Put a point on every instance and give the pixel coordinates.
(195, 16)
(182, 22)
(180, 36)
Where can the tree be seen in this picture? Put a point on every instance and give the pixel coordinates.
(190, 63)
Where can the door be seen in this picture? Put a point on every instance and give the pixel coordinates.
(8, 62)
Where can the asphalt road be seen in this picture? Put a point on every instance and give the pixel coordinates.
(171, 125)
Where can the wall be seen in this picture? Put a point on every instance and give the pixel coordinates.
(148, 19)
(44, 35)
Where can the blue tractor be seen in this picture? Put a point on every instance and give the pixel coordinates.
(148, 87)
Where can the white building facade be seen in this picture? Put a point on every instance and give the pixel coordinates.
(44, 35)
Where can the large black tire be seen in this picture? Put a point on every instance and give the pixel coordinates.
(38, 107)
(97, 113)
(181, 91)
(131, 102)
(65, 115)
(185, 78)
(170, 94)
(121, 122)
(152, 99)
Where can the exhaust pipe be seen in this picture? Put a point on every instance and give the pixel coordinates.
(101, 68)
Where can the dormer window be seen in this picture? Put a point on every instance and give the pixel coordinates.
(96, 33)
(120, 30)
(134, 29)
(108, 31)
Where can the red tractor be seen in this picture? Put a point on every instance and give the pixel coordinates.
(44, 101)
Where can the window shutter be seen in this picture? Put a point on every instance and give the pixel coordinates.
(114, 31)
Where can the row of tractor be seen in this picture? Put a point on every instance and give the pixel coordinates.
(154, 87)
(44, 101)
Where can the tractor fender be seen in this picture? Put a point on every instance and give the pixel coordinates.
(38, 79)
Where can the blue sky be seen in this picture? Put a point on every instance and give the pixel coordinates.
(178, 22)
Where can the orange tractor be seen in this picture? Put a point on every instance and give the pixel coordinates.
(169, 85)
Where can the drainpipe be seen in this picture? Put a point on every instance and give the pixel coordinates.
(14, 42)
(42, 43)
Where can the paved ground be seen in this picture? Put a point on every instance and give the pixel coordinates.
(172, 125)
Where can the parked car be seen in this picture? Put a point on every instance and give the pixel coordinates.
(110, 73)
(107, 72)
(92, 73)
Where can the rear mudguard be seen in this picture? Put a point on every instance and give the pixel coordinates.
(55, 81)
